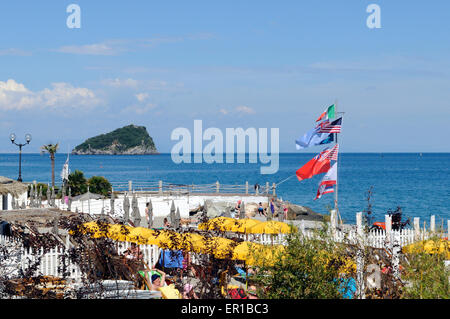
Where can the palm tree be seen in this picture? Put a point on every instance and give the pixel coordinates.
(51, 149)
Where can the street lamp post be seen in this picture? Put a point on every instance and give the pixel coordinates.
(13, 139)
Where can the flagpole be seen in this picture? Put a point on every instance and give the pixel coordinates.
(336, 207)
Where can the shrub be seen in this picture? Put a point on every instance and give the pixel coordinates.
(99, 185)
(310, 268)
(77, 183)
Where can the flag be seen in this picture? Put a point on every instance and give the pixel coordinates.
(324, 189)
(327, 114)
(65, 171)
(332, 154)
(327, 182)
(333, 127)
(328, 139)
(318, 165)
(312, 138)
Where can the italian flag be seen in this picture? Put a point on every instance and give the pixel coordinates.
(327, 114)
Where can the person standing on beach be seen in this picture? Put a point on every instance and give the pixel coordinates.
(237, 209)
(272, 208)
(261, 210)
(285, 211)
(148, 216)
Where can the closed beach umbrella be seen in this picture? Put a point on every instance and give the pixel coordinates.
(150, 214)
(69, 204)
(136, 214)
(177, 218)
(242, 211)
(48, 195)
(126, 208)
(172, 213)
(111, 202)
(40, 196)
(53, 196)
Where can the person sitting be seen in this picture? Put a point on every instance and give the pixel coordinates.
(261, 210)
(252, 292)
(166, 223)
(133, 253)
(157, 280)
(237, 209)
(188, 292)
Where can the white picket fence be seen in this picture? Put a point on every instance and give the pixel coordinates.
(52, 261)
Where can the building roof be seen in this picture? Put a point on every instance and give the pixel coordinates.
(9, 186)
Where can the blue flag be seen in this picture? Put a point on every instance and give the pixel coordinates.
(312, 138)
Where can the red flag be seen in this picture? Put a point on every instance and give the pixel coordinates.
(318, 165)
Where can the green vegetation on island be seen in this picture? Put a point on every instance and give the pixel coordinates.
(130, 139)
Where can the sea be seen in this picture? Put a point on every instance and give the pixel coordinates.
(418, 183)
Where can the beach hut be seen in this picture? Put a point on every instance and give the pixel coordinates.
(87, 197)
(11, 190)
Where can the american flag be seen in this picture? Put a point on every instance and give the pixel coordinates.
(333, 127)
(332, 154)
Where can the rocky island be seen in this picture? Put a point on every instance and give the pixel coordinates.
(128, 140)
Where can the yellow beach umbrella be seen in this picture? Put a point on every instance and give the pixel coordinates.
(270, 227)
(95, 230)
(219, 247)
(218, 223)
(167, 239)
(440, 246)
(244, 225)
(192, 242)
(141, 236)
(118, 232)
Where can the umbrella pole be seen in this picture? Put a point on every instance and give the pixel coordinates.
(246, 275)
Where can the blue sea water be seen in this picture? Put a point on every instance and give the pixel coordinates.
(418, 184)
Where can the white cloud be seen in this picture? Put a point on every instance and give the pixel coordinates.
(118, 83)
(141, 97)
(241, 110)
(14, 52)
(245, 109)
(90, 49)
(140, 108)
(147, 85)
(15, 96)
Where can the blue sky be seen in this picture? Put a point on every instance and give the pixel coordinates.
(231, 64)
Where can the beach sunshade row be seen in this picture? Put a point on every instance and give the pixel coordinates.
(219, 247)
(247, 225)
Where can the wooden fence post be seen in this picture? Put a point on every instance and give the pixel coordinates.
(432, 224)
(416, 228)
(246, 188)
(160, 183)
(267, 188)
(388, 226)
(217, 187)
(360, 284)
(273, 189)
(130, 186)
